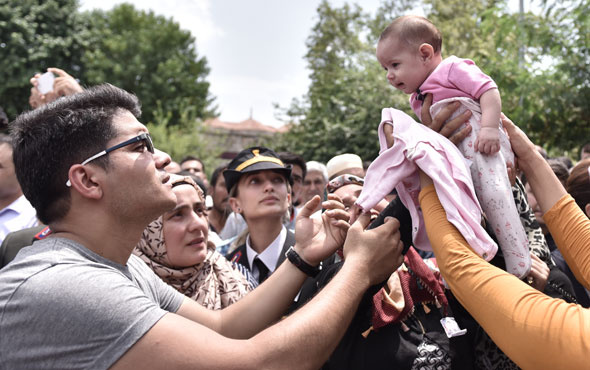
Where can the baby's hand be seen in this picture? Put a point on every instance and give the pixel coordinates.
(488, 141)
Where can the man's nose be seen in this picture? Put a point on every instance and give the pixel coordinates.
(162, 159)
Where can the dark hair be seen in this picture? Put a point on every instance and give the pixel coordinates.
(414, 30)
(584, 149)
(566, 161)
(559, 169)
(216, 173)
(578, 184)
(294, 160)
(49, 140)
(192, 158)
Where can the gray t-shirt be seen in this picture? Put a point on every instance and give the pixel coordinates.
(64, 307)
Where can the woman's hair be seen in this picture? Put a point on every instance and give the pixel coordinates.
(578, 184)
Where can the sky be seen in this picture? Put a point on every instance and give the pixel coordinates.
(254, 48)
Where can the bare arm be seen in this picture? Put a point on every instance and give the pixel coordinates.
(545, 185)
(303, 340)
(488, 140)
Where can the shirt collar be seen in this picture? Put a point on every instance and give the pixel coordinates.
(270, 255)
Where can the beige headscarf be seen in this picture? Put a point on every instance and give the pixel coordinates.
(214, 283)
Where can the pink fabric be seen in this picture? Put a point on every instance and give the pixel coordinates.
(453, 77)
(418, 146)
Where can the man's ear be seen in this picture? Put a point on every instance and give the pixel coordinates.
(587, 209)
(235, 205)
(426, 52)
(84, 181)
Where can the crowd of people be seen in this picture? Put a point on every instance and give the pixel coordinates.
(115, 256)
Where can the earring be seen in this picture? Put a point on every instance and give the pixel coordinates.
(239, 210)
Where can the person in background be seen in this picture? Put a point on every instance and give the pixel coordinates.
(585, 152)
(173, 167)
(315, 181)
(16, 213)
(347, 163)
(195, 166)
(63, 85)
(298, 172)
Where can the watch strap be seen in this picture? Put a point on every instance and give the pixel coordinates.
(296, 260)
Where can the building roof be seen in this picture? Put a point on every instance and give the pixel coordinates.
(245, 125)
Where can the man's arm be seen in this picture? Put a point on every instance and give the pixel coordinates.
(303, 340)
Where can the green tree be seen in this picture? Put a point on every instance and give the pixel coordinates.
(184, 137)
(35, 35)
(342, 109)
(546, 92)
(150, 56)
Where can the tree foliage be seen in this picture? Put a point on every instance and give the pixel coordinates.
(150, 56)
(539, 60)
(138, 51)
(35, 35)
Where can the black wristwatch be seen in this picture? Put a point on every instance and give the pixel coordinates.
(296, 260)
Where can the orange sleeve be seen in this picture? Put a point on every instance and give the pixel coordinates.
(534, 330)
(570, 229)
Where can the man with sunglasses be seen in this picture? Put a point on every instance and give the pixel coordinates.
(79, 299)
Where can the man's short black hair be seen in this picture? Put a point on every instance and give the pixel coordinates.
(49, 140)
(294, 160)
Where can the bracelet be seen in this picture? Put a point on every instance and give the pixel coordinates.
(296, 260)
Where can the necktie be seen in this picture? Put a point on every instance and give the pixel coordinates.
(262, 269)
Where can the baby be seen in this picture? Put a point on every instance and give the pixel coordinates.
(409, 49)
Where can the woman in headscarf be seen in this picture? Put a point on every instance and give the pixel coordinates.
(177, 248)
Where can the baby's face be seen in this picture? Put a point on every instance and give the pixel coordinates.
(406, 70)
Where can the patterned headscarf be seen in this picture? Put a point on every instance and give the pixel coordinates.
(214, 283)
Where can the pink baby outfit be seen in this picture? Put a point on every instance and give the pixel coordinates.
(452, 78)
(418, 146)
(456, 79)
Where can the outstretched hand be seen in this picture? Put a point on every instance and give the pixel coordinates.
(378, 251)
(319, 235)
(439, 122)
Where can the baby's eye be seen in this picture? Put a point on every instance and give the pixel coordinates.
(394, 65)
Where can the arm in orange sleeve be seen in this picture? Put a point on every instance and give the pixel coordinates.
(570, 229)
(534, 330)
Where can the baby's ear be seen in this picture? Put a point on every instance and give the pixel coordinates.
(426, 51)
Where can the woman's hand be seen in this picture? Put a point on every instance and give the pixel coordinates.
(318, 237)
(539, 274)
(439, 122)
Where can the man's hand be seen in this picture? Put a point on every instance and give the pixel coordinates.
(320, 236)
(440, 124)
(488, 140)
(377, 252)
(63, 85)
